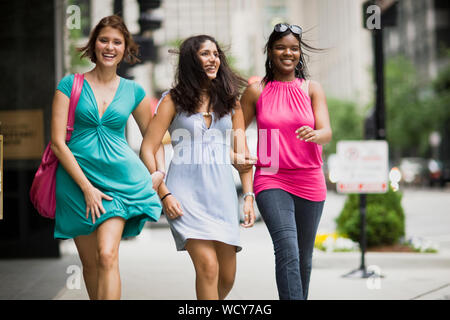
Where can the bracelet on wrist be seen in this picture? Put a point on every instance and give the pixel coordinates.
(167, 194)
(248, 194)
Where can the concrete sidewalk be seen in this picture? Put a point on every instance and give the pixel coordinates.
(152, 269)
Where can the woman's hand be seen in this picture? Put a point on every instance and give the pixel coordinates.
(94, 205)
(249, 213)
(172, 207)
(308, 134)
(157, 178)
(243, 163)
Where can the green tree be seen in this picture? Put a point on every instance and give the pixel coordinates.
(410, 116)
(346, 123)
(440, 103)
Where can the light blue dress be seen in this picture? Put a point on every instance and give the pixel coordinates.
(100, 148)
(200, 177)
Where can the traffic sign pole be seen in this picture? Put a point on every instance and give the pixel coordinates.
(363, 170)
(361, 272)
(363, 241)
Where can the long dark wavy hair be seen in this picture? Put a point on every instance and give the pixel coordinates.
(301, 70)
(191, 80)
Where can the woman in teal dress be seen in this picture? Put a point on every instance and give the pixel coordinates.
(103, 191)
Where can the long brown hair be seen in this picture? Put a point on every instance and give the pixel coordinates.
(191, 80)
(116, 22)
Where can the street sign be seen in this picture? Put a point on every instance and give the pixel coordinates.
(23, 133)
(363, 166)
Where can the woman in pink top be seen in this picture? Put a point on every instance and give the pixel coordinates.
(293, 124)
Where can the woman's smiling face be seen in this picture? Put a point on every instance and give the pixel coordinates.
(109, 47)
(209, 58)
(285, 55)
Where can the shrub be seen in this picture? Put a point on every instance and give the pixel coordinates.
(385, 219)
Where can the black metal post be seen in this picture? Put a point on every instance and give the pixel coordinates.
(375, 126)
(379, 82)
(362, 244)
(118, 7)
(361, 272)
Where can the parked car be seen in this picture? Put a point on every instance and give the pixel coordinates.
(414, 171)
(445, 177)
(434, 169)
(439, 172)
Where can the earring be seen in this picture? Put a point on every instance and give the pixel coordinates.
(270, 64)
(301, 66)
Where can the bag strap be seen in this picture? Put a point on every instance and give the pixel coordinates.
(165, 93)
(74, 97)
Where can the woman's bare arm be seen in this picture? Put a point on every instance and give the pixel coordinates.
(322, 133)
(152, 141)
(240, 146)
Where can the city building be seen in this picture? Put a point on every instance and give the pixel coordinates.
(421, 34)
(344, 67)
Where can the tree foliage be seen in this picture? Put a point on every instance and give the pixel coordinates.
(441, 98)
(413, 108)
(346, 123)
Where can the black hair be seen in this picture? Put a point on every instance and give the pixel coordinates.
(191, 80)
(301, 70)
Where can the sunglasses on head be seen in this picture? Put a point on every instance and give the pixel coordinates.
(282, 27)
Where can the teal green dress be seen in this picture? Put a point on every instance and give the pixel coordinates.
(100, 148)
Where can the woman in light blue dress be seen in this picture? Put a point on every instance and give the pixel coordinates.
(103, 190)
(203, 116)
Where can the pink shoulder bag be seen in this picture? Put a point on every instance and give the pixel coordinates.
(43, 188)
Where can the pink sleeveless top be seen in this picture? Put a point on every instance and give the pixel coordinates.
(285, 162)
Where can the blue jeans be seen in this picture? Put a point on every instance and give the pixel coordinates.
(292, 223)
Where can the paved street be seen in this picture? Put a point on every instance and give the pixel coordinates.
(152, 269)
(428, 215)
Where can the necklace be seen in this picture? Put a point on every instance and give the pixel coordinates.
(206, 114)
